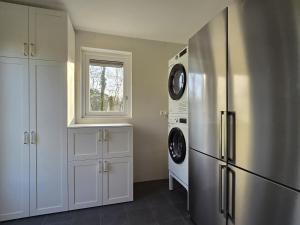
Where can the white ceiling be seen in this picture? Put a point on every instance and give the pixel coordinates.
(162, 20)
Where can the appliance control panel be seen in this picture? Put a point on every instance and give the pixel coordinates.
(183, 120)
(178, 119)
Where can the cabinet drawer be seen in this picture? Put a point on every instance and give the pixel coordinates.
(117, 142)
(84, 144)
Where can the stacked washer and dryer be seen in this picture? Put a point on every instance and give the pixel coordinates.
(178, 119)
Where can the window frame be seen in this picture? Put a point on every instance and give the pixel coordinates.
(107, 55)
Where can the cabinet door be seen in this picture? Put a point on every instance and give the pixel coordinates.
(48, 151)
(117, 180)
(85, 184)
(117, 142)
(84, 143)
(14, 30)
(207, 87)
(254, 200)
(47, 34)
(14, 152)
(207, 189)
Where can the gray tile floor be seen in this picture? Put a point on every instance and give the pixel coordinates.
(154, 204)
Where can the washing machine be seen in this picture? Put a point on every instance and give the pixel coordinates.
(178, 149)
(177, 83)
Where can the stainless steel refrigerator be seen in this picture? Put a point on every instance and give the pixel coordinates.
(244, 96)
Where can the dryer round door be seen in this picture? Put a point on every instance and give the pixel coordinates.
(177, 81)
(177, 145)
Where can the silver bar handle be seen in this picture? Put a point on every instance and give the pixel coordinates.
(26, 49)
(100, 135)
(222, 191)
(32, 49)
(105, 166)
(105, 135)
(32, 137)
(231, 136)
(231, 194)
(223, 135)
(100, 167)
(26, 138)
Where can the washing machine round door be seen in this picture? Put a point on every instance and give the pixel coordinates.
(177, 145)
(177, 81)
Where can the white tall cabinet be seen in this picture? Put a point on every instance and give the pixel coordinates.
(14, 153)
(48, 150)
(36, 57)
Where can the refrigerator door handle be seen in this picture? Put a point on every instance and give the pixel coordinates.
(222, 180)
(231, 194)
(222, 135)
(231, 121)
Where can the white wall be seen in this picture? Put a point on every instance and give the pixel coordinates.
(149, 96)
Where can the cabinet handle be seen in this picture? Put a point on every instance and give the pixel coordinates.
(32, 49)
(105, 166)
(231, 136)
(26, 138)
(32, 137)
(105, 135)
(222, 135)
(100, 167)
(100, 136)
(222, 197)
(231, 194)
(25, 49)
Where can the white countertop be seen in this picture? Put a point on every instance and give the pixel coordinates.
(100, 125)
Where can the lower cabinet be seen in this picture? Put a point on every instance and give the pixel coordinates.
(117, 180)
(94, 178)
(100, 182)
(85, 184)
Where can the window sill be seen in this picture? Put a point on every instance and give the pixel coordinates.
(103, 120)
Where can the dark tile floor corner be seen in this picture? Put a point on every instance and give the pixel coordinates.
(153, 204)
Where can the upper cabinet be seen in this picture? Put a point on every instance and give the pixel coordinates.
(84, 144)
(33, 32)
(47, 34)
(14, 30)
(117, 142)
(95, 143)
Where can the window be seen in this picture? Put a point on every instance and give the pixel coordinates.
(106, 83)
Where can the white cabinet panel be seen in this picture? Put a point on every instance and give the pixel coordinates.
(117, 142)
(85, 179)
(14, 30)
(48, 150)
(14, 154)
(117, 180)
(47, 34)
(84, 143)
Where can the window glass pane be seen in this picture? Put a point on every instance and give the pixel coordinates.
(106, 86)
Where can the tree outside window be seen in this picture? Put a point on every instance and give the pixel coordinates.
(106, 86)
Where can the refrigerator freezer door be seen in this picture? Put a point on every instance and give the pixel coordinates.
(207, 87)
(260, 202)
(206, 189)
(264, 88)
